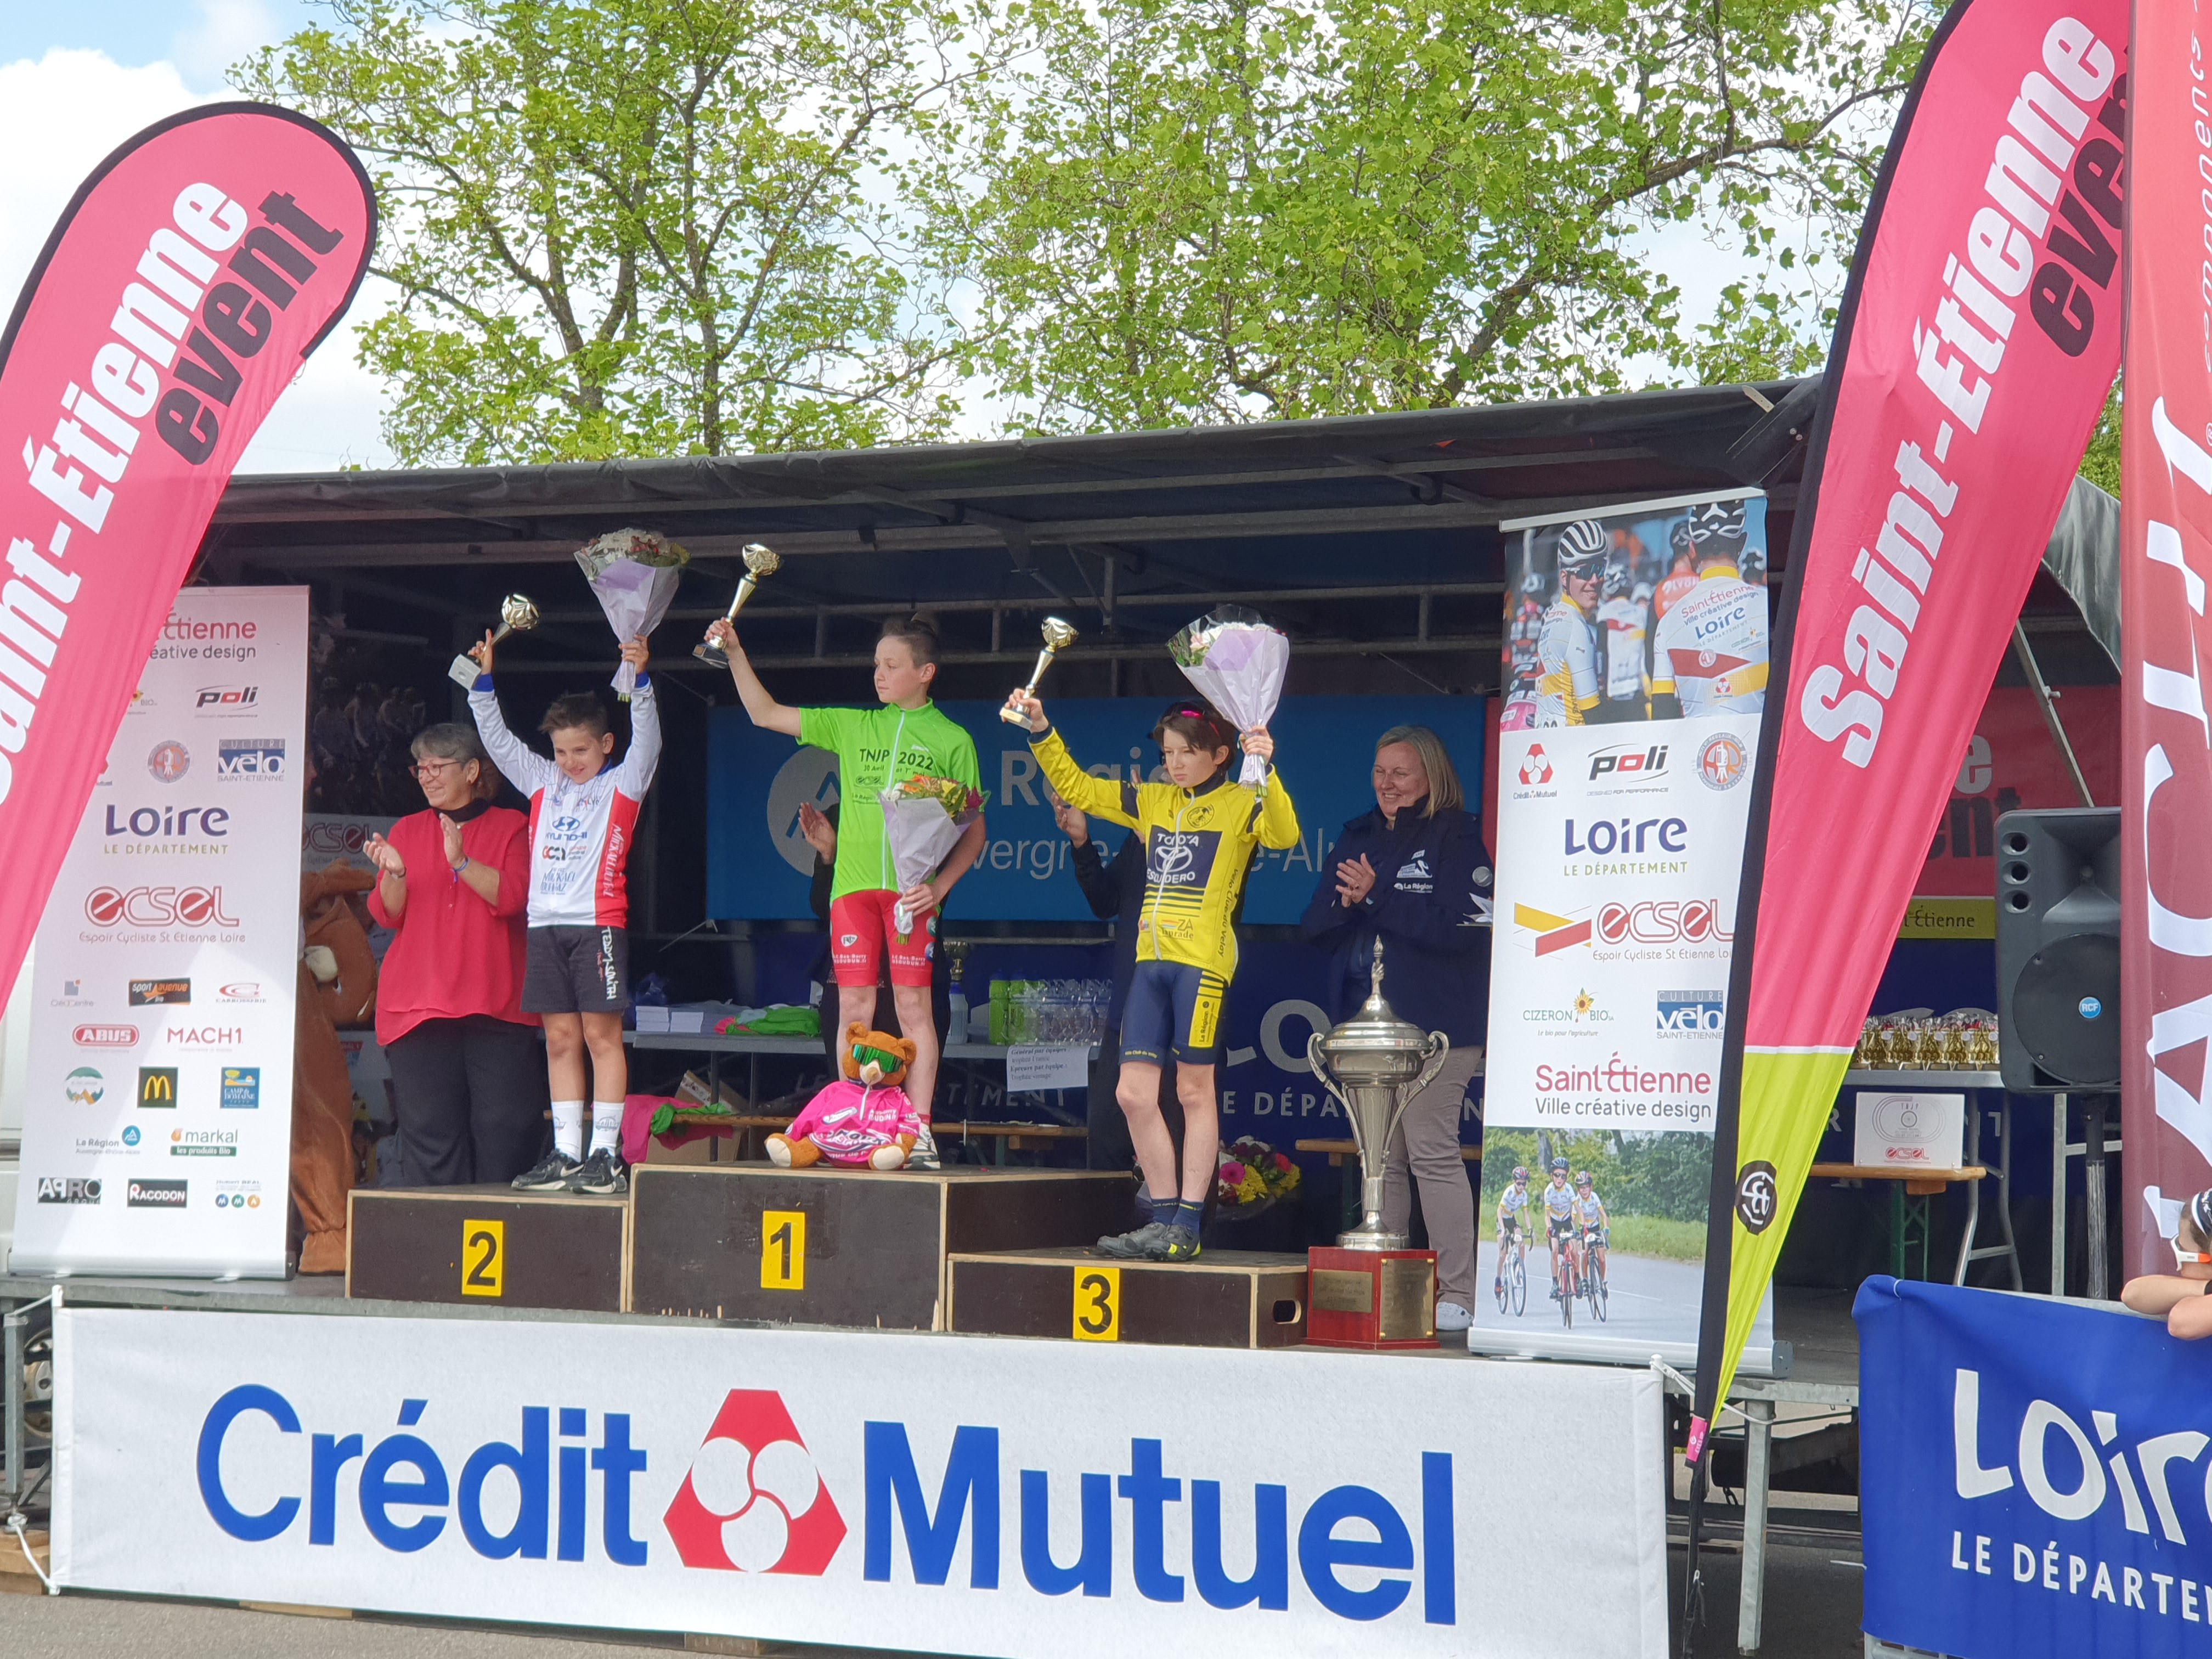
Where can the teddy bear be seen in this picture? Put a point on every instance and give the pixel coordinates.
(863, 1118)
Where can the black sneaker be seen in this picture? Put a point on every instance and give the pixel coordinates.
(1142, 1245)
(552, 1175)
(603, 1175)
(924, 1155)
(1181, 1244)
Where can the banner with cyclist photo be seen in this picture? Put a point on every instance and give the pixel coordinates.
(1619, 854)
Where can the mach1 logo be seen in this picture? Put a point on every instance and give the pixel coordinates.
(157, 907)
(754, 1501)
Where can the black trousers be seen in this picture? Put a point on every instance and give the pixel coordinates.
(472, 1096)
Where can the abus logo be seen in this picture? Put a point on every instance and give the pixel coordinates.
(753, 1501)
(157, 907)
(106, 1036)
(1536, 766)
(1623, 762)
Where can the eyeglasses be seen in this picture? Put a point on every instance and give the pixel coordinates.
(424, 771)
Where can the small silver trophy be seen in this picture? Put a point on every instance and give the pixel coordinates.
(1058, 637)
(516, 614)
(1375, 1064)
(759, 562)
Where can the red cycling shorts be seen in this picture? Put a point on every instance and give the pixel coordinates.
(862, 928)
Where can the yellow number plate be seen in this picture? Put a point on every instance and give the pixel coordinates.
(1098, 1305)
(783, 1249)
(483, 1258)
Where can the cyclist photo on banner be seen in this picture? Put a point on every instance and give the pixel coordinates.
(1510, 1284)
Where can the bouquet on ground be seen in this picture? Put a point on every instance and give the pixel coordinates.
(1237, 663)
(634, 575)
(923, 820)
(1252, 1172)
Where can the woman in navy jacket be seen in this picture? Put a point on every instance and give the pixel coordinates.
(1414, 874)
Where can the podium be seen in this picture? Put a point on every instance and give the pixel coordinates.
(1225, 1299)
(488, 1247)
(856, 1247)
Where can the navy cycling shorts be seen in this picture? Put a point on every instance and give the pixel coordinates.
(1174, 1009)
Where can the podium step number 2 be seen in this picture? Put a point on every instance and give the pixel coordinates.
(783, 1249)
(1098, 1305)
(483, 1258)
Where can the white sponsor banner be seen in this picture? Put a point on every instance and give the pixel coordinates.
(1619, 852)
(158, 1100)
(973, 1496)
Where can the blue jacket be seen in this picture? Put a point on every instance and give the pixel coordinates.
(1429, 904)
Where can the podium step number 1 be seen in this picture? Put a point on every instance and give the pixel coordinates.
(783, 1249)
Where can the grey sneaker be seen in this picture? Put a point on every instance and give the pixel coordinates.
(1145, 1244)
(1451, 1316)
(1181, 1244)
(603, 1175)
(552, 1175)
(924, 1155)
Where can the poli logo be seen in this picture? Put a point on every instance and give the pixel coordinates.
(753, 1501)
(1536, 768)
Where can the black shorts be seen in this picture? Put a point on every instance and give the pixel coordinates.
(1174, 1010)
(576, 970)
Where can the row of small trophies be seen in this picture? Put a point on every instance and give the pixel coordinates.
(1963, 1041)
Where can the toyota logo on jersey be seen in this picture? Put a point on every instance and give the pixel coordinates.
(753, 1501)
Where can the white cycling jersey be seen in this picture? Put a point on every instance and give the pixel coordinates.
(1515, 1200)
(1590, 1210)
(1710, 651)
(1623, 620)
(1568, 685)
(580, 833)
(1559, 1203)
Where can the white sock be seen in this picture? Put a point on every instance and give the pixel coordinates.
(606, 1127)
(569, 1128)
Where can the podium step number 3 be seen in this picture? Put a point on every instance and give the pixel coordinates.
(1098, 1305)
(783, 1249)
(483, 1258)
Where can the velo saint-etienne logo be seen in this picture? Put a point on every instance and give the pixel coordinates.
(753, 1501)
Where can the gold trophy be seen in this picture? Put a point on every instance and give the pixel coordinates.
(516, 614)
(1058, 637)
(759, 562)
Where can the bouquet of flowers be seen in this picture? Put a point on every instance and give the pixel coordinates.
(1237, 663)
(923, 818)
(633, 575)
(1252, 1172)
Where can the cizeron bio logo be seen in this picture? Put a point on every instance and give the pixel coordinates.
(753, 1501)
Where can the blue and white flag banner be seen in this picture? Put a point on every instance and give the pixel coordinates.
(961, 1495)
(2034, 1477)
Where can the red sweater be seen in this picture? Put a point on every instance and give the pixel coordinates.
(452, 954)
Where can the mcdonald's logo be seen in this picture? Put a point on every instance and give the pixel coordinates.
(157, 1085)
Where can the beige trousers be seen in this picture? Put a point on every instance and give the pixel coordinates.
(1425, 1149)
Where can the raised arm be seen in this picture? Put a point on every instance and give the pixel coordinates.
(763, 710)
(1279, 820)
(1098, 798)
(634, 775)
(527, 769)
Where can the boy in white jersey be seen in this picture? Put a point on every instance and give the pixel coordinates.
(583, 817)
(1569, 684)
(1624, 616)
(1512, 1216)
(1591, 1218)
(1709, 654)
(1558, 1221)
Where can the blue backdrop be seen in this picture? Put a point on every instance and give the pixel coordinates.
(2032, 1476)
(757, 865)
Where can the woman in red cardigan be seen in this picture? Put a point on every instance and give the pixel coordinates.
(468, 1074)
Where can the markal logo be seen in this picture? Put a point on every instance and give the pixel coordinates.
(157, 907)
(1628, 764)
(106, 1036)
(221, 700)
(68, 1190)
(1553, 933)
(202, 1142)
(160, 993)
(169, 762)
(1536, 766)
(753, 1501)
(156, 1194)
(1723, 763)
(83, 1087)
(1691, 1014)
(250, 759)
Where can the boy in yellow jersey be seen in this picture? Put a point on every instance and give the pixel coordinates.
(1199, 829)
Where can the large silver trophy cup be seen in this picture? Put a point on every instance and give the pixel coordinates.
(1375, 1064)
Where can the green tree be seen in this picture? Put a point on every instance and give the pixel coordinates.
(1229, 210)
(641, 227)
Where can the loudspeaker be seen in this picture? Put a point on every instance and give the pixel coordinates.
(2058, 949)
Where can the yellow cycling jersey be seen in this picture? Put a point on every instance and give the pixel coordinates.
(1198, 845)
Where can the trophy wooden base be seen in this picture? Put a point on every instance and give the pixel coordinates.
(1372, 1299)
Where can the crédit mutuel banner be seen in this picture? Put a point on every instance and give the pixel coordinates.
(157, 1119)
(673, 1476)
(2165, 555)
(1636, 666)
(173, 302)
(1978, 334)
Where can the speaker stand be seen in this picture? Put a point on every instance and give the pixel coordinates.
(2094, 1217)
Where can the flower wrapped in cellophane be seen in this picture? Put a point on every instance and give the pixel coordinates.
(1237, 663)
(923, 819)
(634, 575)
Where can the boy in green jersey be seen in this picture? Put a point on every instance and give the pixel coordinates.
(876, 748)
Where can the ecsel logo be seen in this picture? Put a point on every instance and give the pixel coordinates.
(157, 907)
(106, 1036)
(753, 1501)
(157, 1085)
